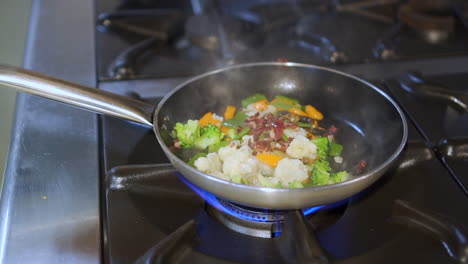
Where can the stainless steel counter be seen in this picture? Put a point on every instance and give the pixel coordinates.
(50, 201)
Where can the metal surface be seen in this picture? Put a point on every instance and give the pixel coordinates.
(154, 206)
(76, 94)
(49, 206)
(378, 118)
(216, 89)
(264, 229)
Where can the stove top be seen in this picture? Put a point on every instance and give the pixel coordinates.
(417, 212)
(142, 39)
(413, 213)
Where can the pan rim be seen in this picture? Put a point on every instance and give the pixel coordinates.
(362, 177)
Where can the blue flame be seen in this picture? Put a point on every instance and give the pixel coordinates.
(213, 201)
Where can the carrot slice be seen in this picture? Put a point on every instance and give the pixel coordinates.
(312, 112)
(261, 105)
(208, 119)
(230, 111)
(269, 159)
(297, 112)
(225, 130)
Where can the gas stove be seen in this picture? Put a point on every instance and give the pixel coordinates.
(417, 212)
(414, 213)
(141, 39)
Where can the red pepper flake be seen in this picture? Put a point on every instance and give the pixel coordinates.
(177, 144)
(282, 59)
(267, 131)
(361, 166)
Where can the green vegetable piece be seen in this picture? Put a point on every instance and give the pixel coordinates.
(237, 121)
(252, 99)
(338, 177)
(187, 133)
(195, 157)
(335, 149)
(236, 179)
(295, 184)
(217, 146)
(288, 99)
(278, 185)
(210, 135)
(243, 132)
(231, 133)
(321, 173)
(265, 182)
(283, 105)
(284, 137)
(244, 181)
(310, 167)
(322, 146)
(304, 124)
(239, 179)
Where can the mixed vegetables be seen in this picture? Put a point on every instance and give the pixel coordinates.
(276, 143)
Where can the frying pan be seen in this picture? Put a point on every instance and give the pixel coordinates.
(370, 124)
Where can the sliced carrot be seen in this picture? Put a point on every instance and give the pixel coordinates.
(269, 159)
(261, 105)
(297, 112)
(225, 130)
(230, 111)
(208, 119)
(312, 112)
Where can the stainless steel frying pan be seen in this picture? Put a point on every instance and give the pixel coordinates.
(371, 125)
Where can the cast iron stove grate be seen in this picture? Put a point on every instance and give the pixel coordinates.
(179, 40)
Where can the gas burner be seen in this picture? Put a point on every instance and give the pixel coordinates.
(248, 221)
(267, 223)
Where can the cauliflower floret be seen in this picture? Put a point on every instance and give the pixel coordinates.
(301, 147)
(225, 152)
(250, 110)
(240, 163)
(293, 133)
(265, 169)
(246, 140)
(263, 181)
(268, 109)
(289, 170)
(217, 117)
(338, 159)
(211, 164)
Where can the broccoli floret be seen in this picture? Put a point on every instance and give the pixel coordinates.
(295, 184)
(321, 172)
(335, 149)
(210, 135)
(322, 146)
(338, 177)
(187, 133)
(266, 182)
(239, 179)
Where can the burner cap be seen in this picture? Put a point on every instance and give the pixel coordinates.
(268, 223)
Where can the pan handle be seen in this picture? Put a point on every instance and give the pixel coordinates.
(76, 94)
